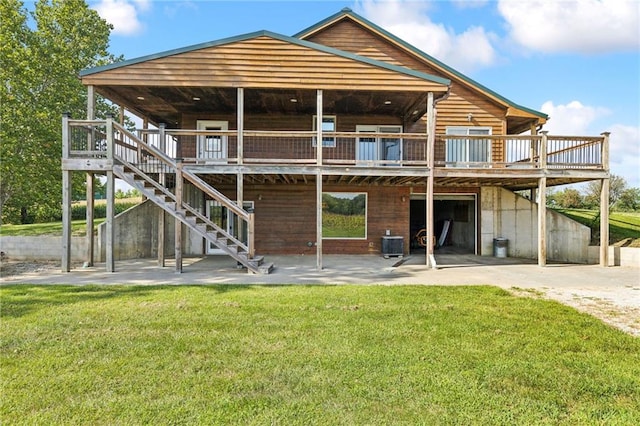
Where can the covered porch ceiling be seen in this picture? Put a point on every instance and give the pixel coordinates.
(161, 104)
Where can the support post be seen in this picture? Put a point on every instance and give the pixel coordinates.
(90, 194)
(240, 125)
(161, 238)
(66, 198)
(543, 150)
(542, 221)
(319, 220)
(110, 266)
(319, 108)
(179, 214)
(604, 222)
(431, 127)
(604, 204)
(240, 203)
(251, 236)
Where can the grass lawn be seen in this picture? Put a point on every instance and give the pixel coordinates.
(302, 355)
(624, 227)
(78, 228)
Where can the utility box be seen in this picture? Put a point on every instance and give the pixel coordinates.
(392, 246)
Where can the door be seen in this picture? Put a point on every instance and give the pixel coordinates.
(226, 220)
(379, 149)
(212, 147)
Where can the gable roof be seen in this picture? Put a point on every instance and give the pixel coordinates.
(439, 82)
(347, 13)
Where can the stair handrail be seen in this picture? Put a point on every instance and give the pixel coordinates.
(191, 177)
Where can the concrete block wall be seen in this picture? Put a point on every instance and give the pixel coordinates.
(136, 235)
(42, 247)
(505, 214)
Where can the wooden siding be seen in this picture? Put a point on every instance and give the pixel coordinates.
(453, 111)
(262, 62)
(286, 217)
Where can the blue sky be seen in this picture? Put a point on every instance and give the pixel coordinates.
(576, 60)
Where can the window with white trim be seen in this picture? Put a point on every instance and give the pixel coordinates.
(328, 125)
(468, 150)
(376, 148)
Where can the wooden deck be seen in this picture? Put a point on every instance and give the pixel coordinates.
(514, 162)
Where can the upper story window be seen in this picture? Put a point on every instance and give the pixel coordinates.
(328, 125)
(468, 150)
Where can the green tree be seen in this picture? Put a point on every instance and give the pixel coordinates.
(629, 200)
(41, 54)
(568, 198)
(617, 185)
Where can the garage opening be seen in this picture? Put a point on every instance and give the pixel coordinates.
(455, 222)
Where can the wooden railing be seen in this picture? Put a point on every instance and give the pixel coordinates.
(88, 139)
(108, 140)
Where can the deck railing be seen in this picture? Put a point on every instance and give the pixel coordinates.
(88, 138)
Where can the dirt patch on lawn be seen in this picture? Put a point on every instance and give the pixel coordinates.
(618, 308)
(9, 268)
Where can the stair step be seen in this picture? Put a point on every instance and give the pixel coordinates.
(266, 268)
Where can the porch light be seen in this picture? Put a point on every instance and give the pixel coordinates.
(294, 100)
(195, 98)
(140, 98)
(387, 102)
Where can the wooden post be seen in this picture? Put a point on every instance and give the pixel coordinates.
(90, 194)
(110, 264)
(543, 150)
(89, 216)
(66, 198)
(319, 220)
(161, 238)
(319, 180)
(319, 108)
(604, 222)
(431, 127)
(604, 204)
(240, 126)
(179, 214)
(533, 150)
(251, 236)
(542, 221)
(240, 203)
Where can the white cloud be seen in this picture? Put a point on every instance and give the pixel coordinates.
(573, 118)
(123, 14)
(624, 150)
(576, 119)
(584, 26)
(409, 21)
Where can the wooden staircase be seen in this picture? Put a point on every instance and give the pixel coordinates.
(148, 183)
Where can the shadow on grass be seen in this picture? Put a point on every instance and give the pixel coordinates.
(22, 299)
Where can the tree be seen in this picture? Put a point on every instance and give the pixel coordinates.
(568, 198)
(39, 69)
(629, 200)
(617, 185)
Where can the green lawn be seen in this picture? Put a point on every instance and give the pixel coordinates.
(624, 227)
(304, 355)
(78, 228)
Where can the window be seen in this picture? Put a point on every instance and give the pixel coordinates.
(375, 149)
(328, 125)
(344, 215)
(468, 150)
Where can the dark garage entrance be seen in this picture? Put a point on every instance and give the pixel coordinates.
(455, 223)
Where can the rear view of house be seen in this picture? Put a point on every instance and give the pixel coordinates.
(342, 139)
